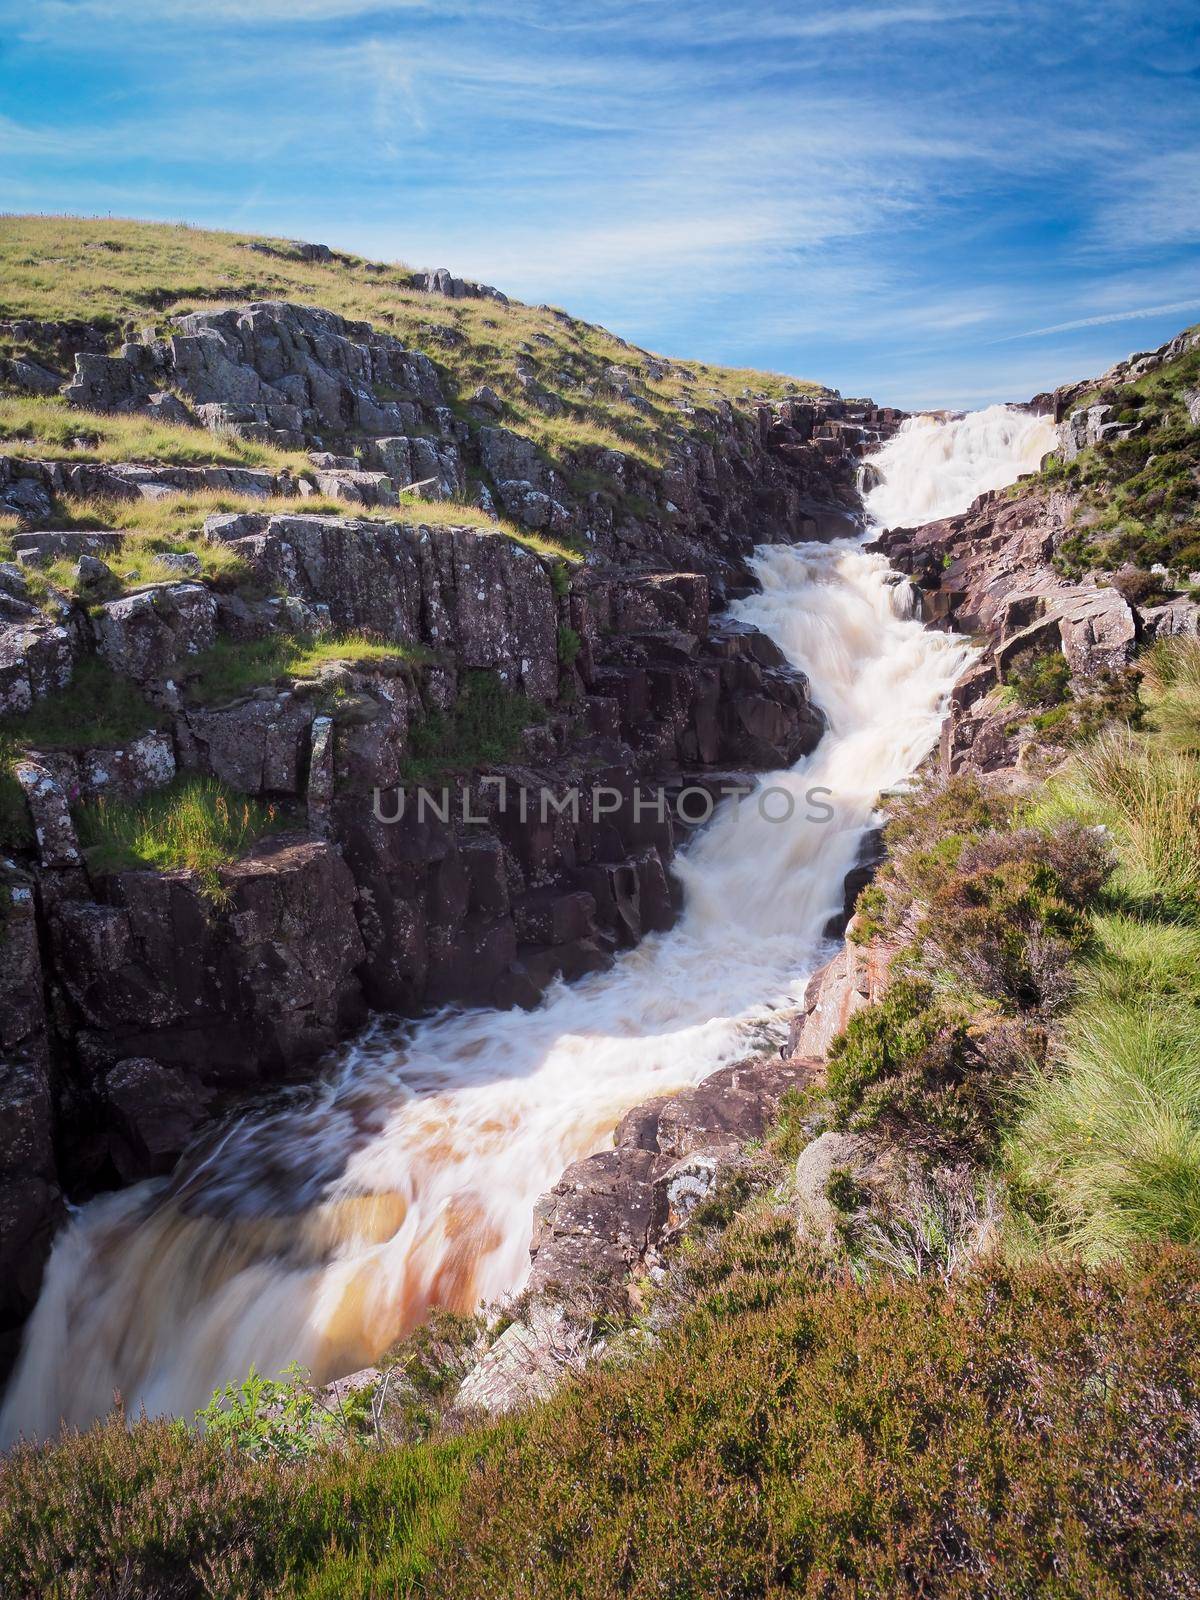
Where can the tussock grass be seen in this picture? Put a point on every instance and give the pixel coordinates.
(1148, 795)
(236, 667)
(1110, 1135)
(45, 427)
(1171, 686)
(197, 823)
(139, 561)
(1105, 1150)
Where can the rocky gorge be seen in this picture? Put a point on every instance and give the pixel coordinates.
(592, 621)
(139, 1004)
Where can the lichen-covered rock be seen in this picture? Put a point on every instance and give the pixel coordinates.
(527, 1362)
(293, 370)
(607, 1215)
(123, 772)
(257, 746)
(50, 813)
(483, 601)
(830, 1154)
(143, 635)
(359, 488)
(37, 657)
(234, 992)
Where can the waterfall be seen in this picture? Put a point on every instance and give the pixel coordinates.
(934, 467)
(323, 1230)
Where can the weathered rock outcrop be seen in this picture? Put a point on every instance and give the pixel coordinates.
(855, 977)
(990, 573)
(608, 1215)
(256, 984)
(305, 378)
(31, 1202)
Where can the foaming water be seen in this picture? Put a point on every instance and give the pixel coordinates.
(934, 468)
(321, 1232)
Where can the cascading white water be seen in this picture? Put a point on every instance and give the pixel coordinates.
(934, 468)
(322, 1232)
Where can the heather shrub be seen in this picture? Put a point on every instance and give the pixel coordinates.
(928, 827)
(909, 1066)
(1014, 1432)
(1011, 918)
(154, 1511)
(1139, 586)
(960, 805)
(1043, 680)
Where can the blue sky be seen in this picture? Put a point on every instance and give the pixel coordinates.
(933, 203)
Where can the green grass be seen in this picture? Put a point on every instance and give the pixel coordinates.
(178, 519)
(232, 668)
(98, 708)
(1148, 795)
(45, 427)
(1171, 688)
(16, 830)
(1142, 492)
(483, 729)
(119, 273)
(197, 824)
(1105, 1150)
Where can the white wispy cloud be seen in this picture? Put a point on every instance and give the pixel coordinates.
(1151, 202)
(1131, 314)
(838, 190)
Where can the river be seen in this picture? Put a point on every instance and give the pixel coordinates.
(320, 1231)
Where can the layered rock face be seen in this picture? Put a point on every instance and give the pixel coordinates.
(990, 573)
(376, 418)
(139, 1004)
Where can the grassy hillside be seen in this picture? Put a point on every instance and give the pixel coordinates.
(1141, 494)
(122, 275)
